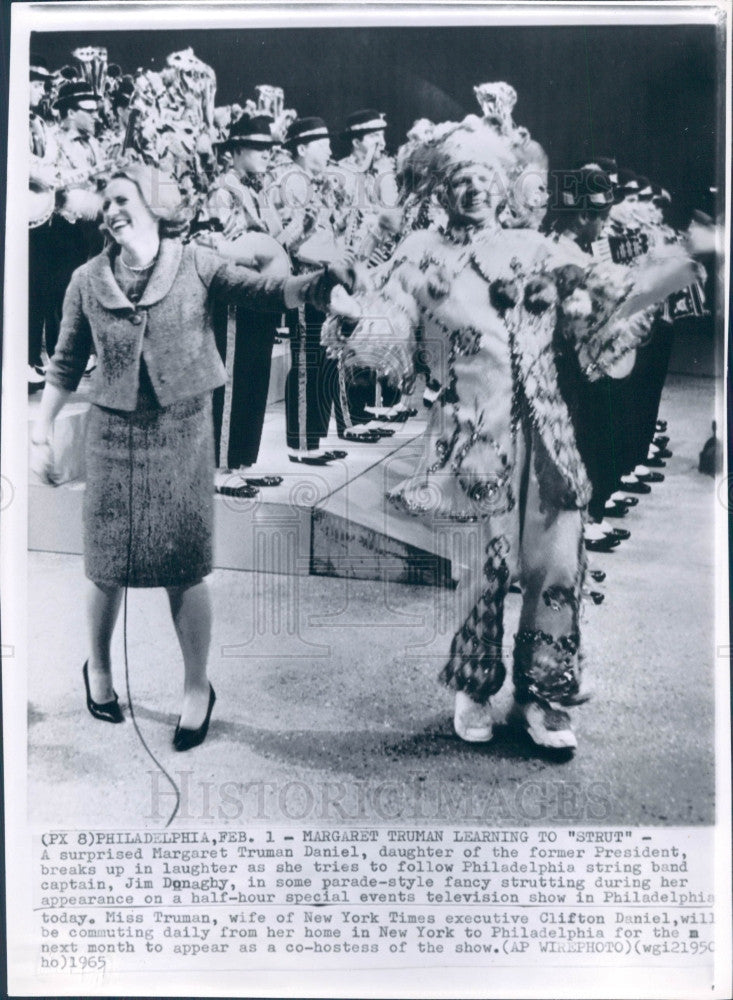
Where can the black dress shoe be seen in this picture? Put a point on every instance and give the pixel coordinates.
(661, 441)
(597, 574)
(637, 487)
(333, 455)
(264, 481)
(661, 426)
(655, 462)
(385, 432)
(618, 510)
(651, 477)
(607, 544)
(186, 739)
(109, 711)
(360, 437)
(662, 453)
(310, 459)
(242, 492)
(596, 596)
(621, 533)
(629, 501)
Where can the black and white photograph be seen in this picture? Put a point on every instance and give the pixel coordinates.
(364, 470)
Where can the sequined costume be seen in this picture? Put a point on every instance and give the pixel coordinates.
(489, 309)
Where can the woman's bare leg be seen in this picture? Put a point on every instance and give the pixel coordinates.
(191, 611)
(103, 605)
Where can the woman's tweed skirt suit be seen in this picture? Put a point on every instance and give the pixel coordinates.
(148, 506)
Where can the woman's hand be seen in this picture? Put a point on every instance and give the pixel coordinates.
(42, 461)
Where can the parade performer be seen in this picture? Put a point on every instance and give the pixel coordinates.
(144, 305)
(500, 472)
(370, 192)
(310, 209)
(237, 202)
(42, 182)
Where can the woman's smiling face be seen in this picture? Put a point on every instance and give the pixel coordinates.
(126, 215)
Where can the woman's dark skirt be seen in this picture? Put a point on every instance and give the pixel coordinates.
(148, 505)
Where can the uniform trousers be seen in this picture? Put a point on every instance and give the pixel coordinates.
(40, 301)
(540, 546)
(68, 245)
(312, 391)
(250, 381)
(647, 384)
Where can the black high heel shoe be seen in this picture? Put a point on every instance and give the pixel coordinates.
(186, 739)
(110, 711)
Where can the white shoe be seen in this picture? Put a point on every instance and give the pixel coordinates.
(471, 721)
(547, 726)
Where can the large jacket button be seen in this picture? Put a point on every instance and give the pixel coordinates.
(136, 318)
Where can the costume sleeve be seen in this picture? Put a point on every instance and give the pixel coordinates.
(385, 337)
(605, 310)
(74, 344)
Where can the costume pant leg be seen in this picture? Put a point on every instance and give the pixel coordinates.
(547, 649)
(250, 384)
(302, 390)
(487, 555)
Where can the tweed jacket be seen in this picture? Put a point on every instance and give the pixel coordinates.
(170, 327)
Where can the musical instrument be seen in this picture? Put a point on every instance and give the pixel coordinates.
(251, 245)
(92, 60)
(270, 100)
(41, 203)
(197, 79)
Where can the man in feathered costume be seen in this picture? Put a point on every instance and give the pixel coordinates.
(499, 471)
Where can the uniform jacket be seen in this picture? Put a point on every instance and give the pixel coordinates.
(170, 327)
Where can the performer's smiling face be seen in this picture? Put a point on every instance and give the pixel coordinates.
(474, 193)
(126, 215)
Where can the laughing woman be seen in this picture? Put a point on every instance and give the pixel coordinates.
(144, 306)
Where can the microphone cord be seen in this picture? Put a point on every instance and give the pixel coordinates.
(174, 786)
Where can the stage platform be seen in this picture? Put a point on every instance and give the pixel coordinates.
(326, 521)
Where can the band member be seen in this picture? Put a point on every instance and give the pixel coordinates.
(309, 204)
(42, 185)
(237, 202)
(370, 191)
(582, 203)
(500, 472)
(75, 227)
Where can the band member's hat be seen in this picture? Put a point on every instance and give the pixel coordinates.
(306, 130)
(586, 190)
(628, 183)
(38, 68)
(660, 196)
(361, 123)
(76, 94)
(646, 192)
(605, 163)
(249, 133)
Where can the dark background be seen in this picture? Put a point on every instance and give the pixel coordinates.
(646, 95)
